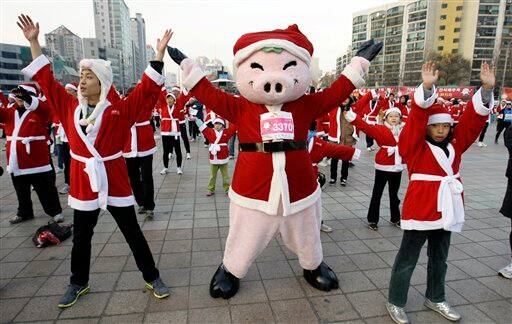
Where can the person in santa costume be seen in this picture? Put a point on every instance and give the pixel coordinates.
(170, 132)
(433, 206)
(456, 110)
(138, 153)
(503, 119)
(218, 137)
(367, 109)
(181, 101)
(388, 162)
(273, 114)
(97, 129)
(28, 157)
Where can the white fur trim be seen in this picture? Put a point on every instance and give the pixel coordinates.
(357, 155)
(374, 93)
(479, 106)
(392, 110)
(203, 127)
(71, 86)
(390, 167)
(146, 153)
(28, 88)
(194, 75)
(290, 47)
(322, 133)
(170, 94)
(350, 116)
(356, 70)
(40, 169)
(440, 118)
(333, 139)
(419, 97)
(88, 205)
(37, 64)
(154, 75)
(411, 224)
(219, 161)
(33, 105)
(220, 121)
(170, 133)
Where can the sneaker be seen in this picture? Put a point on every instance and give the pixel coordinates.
(480, 144)
(484, 145)
(164, 171)
(373, 226)
(18, 219)
(58, 218)
(142, 210)
(396, 224)
(506, 272)
(64, 190)
(209, 193)
(397, 314)
(231, 157)
(150, 215)
(369, 149)
(72, 295)
(189, 156)
(205, 145)
(59, 170)
(325, 228)
(332, 182)
(443, 308)
(343, 182)
(351, 164)
(179, 171)
(160, 289)
(192, 140)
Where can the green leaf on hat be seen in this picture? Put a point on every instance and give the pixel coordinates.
(277, 50)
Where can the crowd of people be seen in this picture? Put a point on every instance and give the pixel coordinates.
(106, 142)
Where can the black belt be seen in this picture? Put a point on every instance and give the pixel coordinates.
(270, 147)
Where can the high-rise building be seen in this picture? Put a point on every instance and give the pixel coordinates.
(343, 60)
(150, 53)
(13, 58)
(66, 44)
(112, 25)
(138, 34)
(479, 30)
(92, 49)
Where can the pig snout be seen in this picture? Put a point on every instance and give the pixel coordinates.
(273, 84)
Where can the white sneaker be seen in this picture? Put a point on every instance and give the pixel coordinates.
(179, 171)
(164, 171)
(480, 144)
(58, 218)
(325, 228)
(64, 190)
(483, 144)
(156, 136)
(189, 156)
(59, 170)
(369, 149)
(506, 272)
(171, 156)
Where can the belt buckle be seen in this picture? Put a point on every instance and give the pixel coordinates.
(260, 147)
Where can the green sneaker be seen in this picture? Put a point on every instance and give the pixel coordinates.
(72, 295)
(160, 289)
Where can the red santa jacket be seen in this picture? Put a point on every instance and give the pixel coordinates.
(140, 141)
(318, 149)
(180, 105)
(281, 177)
(98, 170)
(403, 110)
(322, 125)
(434, 196)
(388, 157)
(456, 111)
(170, 120)
(218, 150)
(27, 138)
(335, 115)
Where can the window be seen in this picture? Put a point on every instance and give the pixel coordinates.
(444, 5)
(440, 48)
(454, 51)
(455, 40)
(10, 55)
(443, 17)
(458, 19)
(442, 27)
(456, 30)
(459, 8)
(441, 38)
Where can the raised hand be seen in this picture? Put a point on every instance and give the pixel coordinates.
(176, 55)
(487, 76)
(30, 30)
(161, 44)
(429, 74)
(369, 49)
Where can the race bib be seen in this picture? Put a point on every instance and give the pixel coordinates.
(193, 112)
(276, 126)
(508, 117)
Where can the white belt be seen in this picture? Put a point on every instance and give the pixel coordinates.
(174, 128)
(449, 198)
(398, 159)
(133, 142)
(98, 180)
(27, 140)
(215, 148)
(144, 123)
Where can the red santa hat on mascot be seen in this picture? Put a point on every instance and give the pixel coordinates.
(439, 114)
(290, 39)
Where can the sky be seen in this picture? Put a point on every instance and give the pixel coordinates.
(201, 27)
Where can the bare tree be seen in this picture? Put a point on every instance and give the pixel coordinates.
(454, 69)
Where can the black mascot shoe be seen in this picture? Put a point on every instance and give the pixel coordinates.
(224, 284)
(322, 278)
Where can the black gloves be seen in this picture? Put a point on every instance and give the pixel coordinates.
(176, 55)
(369, 49)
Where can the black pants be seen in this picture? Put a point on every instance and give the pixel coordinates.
(193, 129)
(184, 136)
(44, 185)
(381, 178)
(156, 120)
(406, 259)
(170, 143)
(334, 169)
(482, 133)
(369, 141)
(83, 230)
(66, 158)
(500, 127)
(140, 171)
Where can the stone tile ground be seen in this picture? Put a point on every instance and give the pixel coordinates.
(188, 235)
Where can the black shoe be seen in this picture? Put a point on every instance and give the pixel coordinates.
(343, 182)
(142, 210)
(396, 224)
(373, 226)
(322, 278)
(332, 182)
(224, 284)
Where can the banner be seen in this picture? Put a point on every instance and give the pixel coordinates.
(506, 93)
(464, 93)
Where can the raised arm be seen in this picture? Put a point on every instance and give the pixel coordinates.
(40, 71)
(360, 106)
(341, 152)
(359, 123)
(415, 129)
(478, 109)
(194, 80)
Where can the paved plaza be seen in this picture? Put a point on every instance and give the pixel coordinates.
(189, 232)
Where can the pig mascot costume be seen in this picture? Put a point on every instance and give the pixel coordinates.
(274, 188)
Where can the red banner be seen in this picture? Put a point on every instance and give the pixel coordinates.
(448, 93)
(506, 93)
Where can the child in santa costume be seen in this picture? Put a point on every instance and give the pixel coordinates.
(170, 131)
(28, 157)
(388, 162)
(274, 188)
(456, 110)
(433, 205)
(96, 131)
(181, 101)
(218, 136)
(138, 153)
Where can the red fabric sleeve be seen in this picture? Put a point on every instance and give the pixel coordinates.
(469, 128)
(338, 151)
(363, 104)
(209, 133)
(370, 130)
(330, 97)
(414, 131)
(3, 100)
